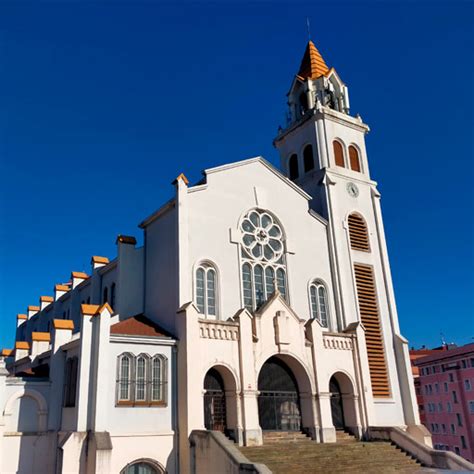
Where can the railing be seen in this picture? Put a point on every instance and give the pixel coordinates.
(221, 330)
(338, 342)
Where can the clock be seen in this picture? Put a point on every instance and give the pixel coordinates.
(352, 190)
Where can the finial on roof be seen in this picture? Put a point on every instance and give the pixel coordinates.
(312, 65)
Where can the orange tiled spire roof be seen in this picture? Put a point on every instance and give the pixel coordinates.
(312, 64)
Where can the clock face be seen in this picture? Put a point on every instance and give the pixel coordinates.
(352, 189)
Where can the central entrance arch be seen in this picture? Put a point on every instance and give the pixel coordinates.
(279, 400)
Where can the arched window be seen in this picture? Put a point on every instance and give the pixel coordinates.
(308, 158)
(141, 378)
(158, 378)
(338, 153)
(124, 377)
(293, 167)
(303, 103)
(263, 258)
(142, 467)
(354, 158)
(206, 290)
(105, 295)
(112, 296)
(319, 302)
(358, 233)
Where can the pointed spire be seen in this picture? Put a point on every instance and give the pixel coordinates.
(312, 64)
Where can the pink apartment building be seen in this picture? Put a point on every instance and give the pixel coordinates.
(447, 390)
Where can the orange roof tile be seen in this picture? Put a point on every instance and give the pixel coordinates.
(33, 308)
(41, 336)
(63, 324)
(22, 345)
(138, 325)
(46, 299)
(97, 259)
(7, 352)
(90, 309)
(79, 275)
(126, 239)
(62, 288)
(312, 65)
(21, 316)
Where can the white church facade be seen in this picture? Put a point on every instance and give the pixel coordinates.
(262, 299)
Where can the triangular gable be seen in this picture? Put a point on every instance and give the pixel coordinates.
(276, 299)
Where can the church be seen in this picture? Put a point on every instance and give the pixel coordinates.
(261, 301)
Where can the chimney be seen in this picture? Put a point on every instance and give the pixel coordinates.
(40, 342)
(22, 349)
(98, 262)
(32, 310)
(60, 290)
(45, 301)
(20, 318)
(77, 278)
(126, 239)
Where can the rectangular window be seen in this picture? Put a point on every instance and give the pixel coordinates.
(451, 377)
(444, 428)
(467, 384)
(70, 386)
(449, 407)
(471, 407)
(472, 362)
(455, 397)
(463, 442)
(436, 387)
(459, 418)
(457, 450)
(453, 429)
(440, 407)
(446, 389)
(464, 364)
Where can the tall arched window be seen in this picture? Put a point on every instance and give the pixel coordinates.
(124, 377)
(354, 158)
(358, 233)
(70, 382)
(263, 258)
(105, 295)
(319, 302)
(308, 158)
(293, 167)
(141, 379)
(112, 296)
(206, 290)
(338, 153)
(158, 378)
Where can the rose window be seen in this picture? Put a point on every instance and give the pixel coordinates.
(262, 236)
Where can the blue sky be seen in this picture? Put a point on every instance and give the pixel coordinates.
(102, 105)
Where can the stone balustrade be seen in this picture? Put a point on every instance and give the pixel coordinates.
(340, 342)
(221, 330)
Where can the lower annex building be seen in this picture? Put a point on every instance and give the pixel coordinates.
(262, 299)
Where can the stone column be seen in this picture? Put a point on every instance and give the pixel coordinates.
(252, 433)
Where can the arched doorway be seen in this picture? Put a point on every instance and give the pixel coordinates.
(337, 409)
(214, 401)
(278, 401)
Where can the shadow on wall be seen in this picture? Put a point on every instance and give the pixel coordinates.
(27, 445)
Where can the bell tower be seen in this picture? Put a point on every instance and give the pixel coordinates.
(322, 149)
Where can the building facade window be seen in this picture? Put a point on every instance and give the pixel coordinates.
(463, 442)
(293, 167)
(459, 419)
(308, 158)
(70, 385)
(206, 290)
(358, 233)
(338, 153)
(141, 380)
(455, 397)
(319, 302)
(354, 158)
(105, 295)
(467, 384)
(471, 407)
(112, 296)
(263, 258)
(446, 388)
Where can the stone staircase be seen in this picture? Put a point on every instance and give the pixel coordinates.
(292, 452)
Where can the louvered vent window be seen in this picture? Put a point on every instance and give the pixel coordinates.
(370, 318)
(358, 233)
